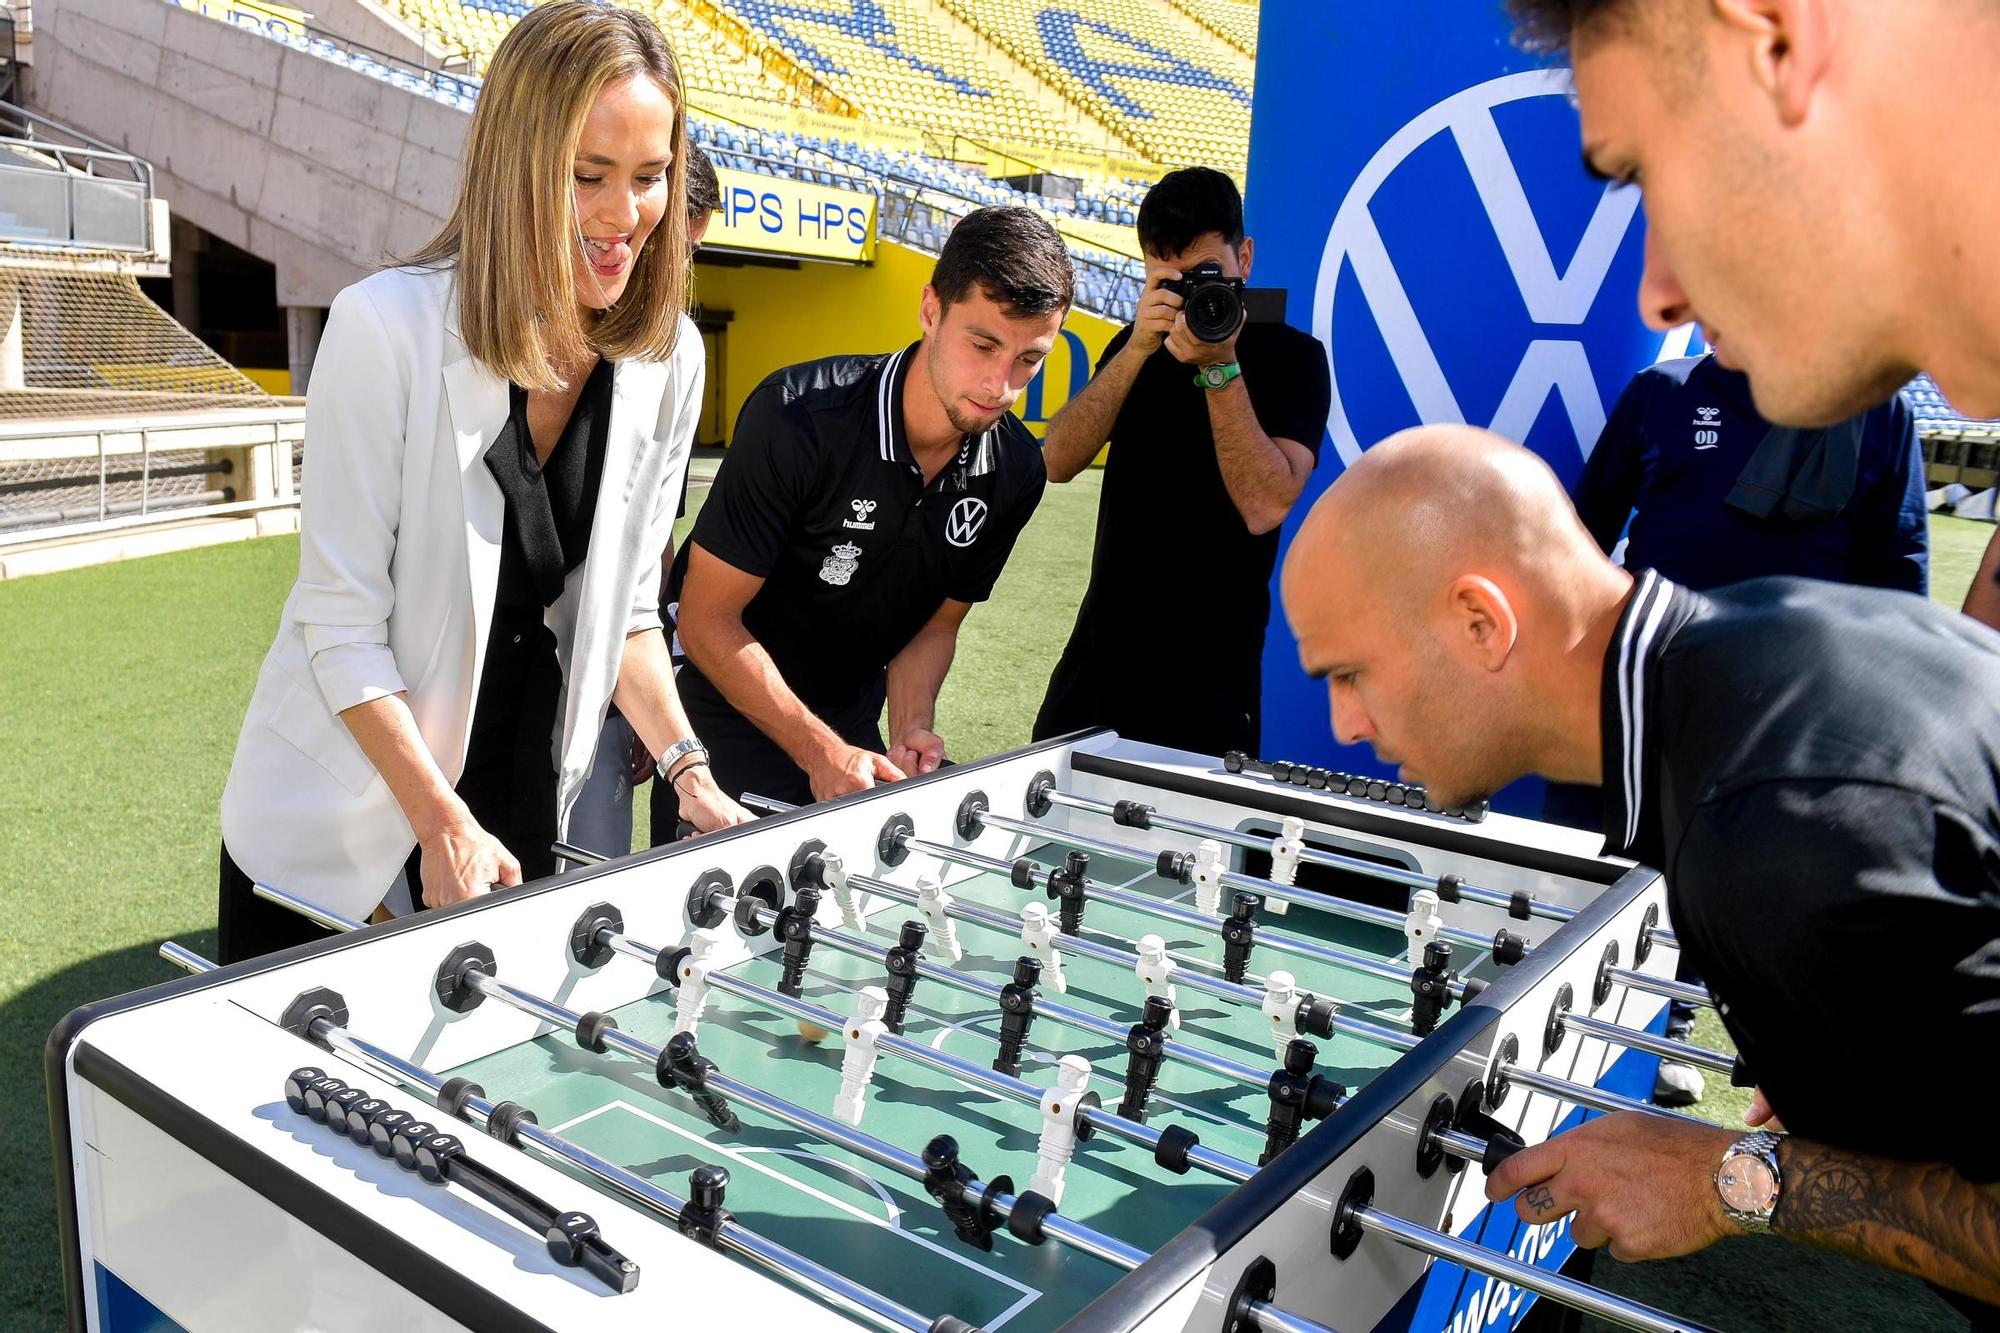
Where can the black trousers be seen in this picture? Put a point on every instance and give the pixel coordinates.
(509, 785)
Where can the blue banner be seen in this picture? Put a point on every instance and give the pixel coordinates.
(1416, 184)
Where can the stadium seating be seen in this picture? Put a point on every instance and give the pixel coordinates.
(1235, 21)
(1153, 72)
(710, 62)
(1937, 418)
(896, 62)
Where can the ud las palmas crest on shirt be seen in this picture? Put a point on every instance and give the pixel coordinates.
(840, 566)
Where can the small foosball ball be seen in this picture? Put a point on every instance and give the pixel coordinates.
(1092, 1035)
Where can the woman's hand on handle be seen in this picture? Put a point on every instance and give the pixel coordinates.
(705, 805)
(462, 860)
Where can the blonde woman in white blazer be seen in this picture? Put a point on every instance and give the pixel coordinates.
(496, 436)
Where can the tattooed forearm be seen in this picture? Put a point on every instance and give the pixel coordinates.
(1921, 1218)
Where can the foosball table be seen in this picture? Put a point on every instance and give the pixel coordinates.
(1090, 1035)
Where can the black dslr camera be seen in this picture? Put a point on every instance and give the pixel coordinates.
(1213, 304)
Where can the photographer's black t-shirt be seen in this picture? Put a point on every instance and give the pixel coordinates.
(1169, 642)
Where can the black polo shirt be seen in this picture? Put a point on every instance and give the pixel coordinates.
(1816, 769)
(1173, 553)
(820, 497)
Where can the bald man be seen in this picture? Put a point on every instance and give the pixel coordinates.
(1814, 767)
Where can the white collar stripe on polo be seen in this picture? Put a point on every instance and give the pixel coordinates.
(1652, 602)
(886, 433)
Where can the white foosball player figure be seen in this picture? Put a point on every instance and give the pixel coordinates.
(1058, 1142)
(1424, 923)
(833, 873)
(1156, 973)
(857, 1066)
(1281, 1007)
(693, 995)
(1285, 849)
(1208, 877)
(935, 904)
(1038, 937)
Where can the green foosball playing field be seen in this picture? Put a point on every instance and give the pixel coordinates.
(881, 1228)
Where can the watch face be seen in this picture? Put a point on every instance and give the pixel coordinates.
(1746, 1184)
(1214, 374)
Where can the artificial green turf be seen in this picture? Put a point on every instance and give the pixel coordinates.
(122, 688)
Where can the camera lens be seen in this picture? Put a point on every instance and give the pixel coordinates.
(1213, 311)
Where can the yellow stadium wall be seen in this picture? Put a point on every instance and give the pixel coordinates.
(783, 316)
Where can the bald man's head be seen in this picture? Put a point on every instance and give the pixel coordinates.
(1441, 587)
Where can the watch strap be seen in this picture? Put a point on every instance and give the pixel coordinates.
(1216, 376)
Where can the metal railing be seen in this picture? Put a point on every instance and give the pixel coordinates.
(919, 214)
(125, 448)
(441, 78)
(62, 187)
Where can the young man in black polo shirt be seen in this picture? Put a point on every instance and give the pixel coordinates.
(1211, 443)
(865, 504)
(1814, 767)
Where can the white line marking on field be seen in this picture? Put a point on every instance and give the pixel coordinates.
(891, 1213)
(741, 1156)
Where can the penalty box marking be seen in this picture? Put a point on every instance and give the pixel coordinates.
(1028, 1294)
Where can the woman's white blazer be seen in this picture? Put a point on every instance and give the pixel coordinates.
(399, 555)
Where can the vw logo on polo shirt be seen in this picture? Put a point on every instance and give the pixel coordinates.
(967, 517)
(1427, 162)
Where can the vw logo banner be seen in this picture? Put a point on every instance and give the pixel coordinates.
(1416, 185)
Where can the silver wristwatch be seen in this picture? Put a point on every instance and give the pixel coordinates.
(680, 749)
(1749, 1181)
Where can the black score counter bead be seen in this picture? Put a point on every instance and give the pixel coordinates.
(296, 1084)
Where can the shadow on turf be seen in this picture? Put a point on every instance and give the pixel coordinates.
(1755, 1284)
(31, 1283)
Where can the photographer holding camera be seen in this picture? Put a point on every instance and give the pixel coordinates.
(1214, 422)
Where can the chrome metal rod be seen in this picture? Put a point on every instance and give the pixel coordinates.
(1269, 1316)
(1275, 940)
(186, 959)
(814, 1278)
(1221, 1164)
(1460, 1145)
(1493, 1263)
(826, 1128)
(1664, 1047)
(1271, 888)
(1473, 893)
(1591, 1098)
(1054, 1010)
(1220, 987)
(1665, 986)
(306, 908)
(1146, 1136)
(582, 856)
